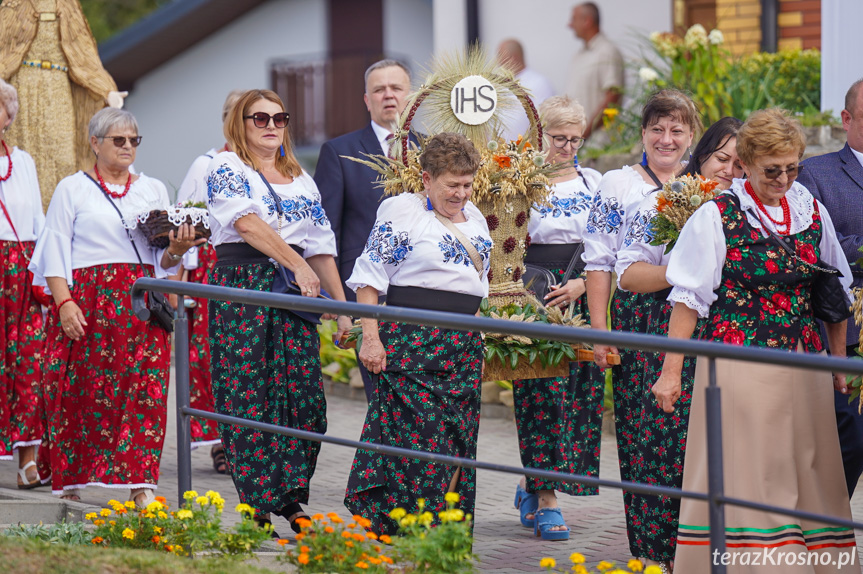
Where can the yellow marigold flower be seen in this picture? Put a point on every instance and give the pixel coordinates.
(129, 533)
(635, 565)
(90, 515)
(157, 530)
(426, 518)
(113, 502)
(421, 503)
(408, 520)
(212, 494)
(190, 495)
(318, 516)
(452, 497)
(385, 539)
(184, 513)
(149, 515)
(244, 508)
(98, 540)
(163, 515)
(105, 512)
(576, 558)
(362, 565)
(155, 506)
(113, 522)
(547, 563)
(178, 549)
(580, 569)
(604, 565)
(398, 513)
(202, 500)
(653, 570)
(98, 522)
(129, 504)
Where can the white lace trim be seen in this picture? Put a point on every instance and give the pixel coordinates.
(597, 267)
(243, 213)
(801, 204)
(176, 215)
(103, 485)
(197, 444)
(690, 299)
(26, 443)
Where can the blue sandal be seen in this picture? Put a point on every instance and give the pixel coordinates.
(526, 503)
(546, 519)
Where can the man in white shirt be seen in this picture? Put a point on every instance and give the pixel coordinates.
(348, 191)
(596, 71)
(510, 53)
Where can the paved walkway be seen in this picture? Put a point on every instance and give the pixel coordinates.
(503, 546)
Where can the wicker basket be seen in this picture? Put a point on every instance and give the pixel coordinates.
(157, 226)
(497, 371)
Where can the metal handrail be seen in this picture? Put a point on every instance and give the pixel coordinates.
(714, 497)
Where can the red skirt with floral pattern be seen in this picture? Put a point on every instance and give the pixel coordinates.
(105, 395)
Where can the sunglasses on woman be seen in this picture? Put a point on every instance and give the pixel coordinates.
(120, 141)
(262, 120)
(774, 172)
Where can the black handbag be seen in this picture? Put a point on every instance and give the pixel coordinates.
(161, 311)
(539, 279)
(829, 301)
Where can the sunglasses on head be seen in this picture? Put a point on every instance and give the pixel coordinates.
(120, 141)
(774, 172)
(262, 120)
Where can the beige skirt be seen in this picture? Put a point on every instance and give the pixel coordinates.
(780, 447)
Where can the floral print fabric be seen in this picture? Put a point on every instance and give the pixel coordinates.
(200, 385)
(265, 367)
(559, 421)
(427, 399)
(764, 297)
(104, 395)
(21, 347)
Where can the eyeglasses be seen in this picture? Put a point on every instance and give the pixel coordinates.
(561, 141)
(120, 141)
(774, 172)
(262, 120)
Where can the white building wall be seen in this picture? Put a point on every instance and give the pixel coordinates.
(841, 46)
(408, 32)
(179, 104)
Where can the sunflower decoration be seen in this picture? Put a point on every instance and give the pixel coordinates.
(679, 198)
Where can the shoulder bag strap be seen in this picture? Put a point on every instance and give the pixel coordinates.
(570, 269)
(465, 242)
(273, 194)
(122, 220)
(9, 219)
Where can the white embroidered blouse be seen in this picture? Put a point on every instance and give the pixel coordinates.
(636, 241)
(83, 230)
(20, 193)
(695, 265)
(234, 190)
(614, 205)
(409, 247)
(564, 219)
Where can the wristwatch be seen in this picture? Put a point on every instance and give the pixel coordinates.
(172, 257)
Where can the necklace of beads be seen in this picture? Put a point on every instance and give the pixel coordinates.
(9, 156)
(786, 211)
(104, 187)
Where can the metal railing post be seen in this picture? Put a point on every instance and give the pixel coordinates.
(184, 421)
(715, 478)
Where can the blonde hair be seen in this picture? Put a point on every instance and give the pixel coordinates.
(561, 111)
(9, 100)
(769, 132)
(230, 101)
(235, 133)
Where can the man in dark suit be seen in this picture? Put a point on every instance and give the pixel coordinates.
(348, 191)
(836, 180)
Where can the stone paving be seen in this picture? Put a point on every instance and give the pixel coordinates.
(502, 544)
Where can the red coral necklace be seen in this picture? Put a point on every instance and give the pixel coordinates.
(786, 211)
(105, 187)
(9, 156)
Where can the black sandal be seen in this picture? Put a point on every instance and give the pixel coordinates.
(220, 460)
(290, 510)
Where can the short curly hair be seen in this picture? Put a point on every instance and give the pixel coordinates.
(562, 111)
(769, 132)
(9, 100)
(449, 153)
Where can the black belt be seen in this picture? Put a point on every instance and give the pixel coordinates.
(230, 254)
(660, 296)
(553, 256)
(432, 300)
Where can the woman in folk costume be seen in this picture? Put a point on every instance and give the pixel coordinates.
(21, 334)
(49, 54)
(747, 262)
(106, 372)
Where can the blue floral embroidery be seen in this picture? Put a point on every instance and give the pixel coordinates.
(605, 216)
(454, 251)
(387, 246)
(299, 208)
(641, 228)
(226, 183)
(564, 206)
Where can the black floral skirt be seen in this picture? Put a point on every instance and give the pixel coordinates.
(265, 366)
(427, 399)
(559, 421)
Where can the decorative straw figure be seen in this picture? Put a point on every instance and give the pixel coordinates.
(48, 53)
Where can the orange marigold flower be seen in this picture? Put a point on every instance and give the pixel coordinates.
(371, 536)
(346, 534)
(359, 537)
(155, 539)
(303, 558)
(319, 557)
(386, 559)
(318, 516)
(662, 203)
(332, 515)
(377, 548)
(357, 518)
(361, 565)
(169, 548)
(385, 539)
(349, 544)
(352, 525)
(374, 560)
(98, 540)
(300, 536)
(161, 499)
(282, 541)
(305, 522)
(365, 522)
(329, 530)
(337, 520)
(304, 550)
(121, 510)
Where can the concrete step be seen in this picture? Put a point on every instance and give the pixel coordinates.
(21, 507)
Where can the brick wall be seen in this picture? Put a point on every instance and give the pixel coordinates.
(800, 24)
(740, 22)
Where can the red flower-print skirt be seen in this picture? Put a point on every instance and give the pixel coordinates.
(105, 395)
(21, 343)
